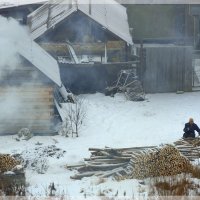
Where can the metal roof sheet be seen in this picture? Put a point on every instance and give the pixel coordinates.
(110, 14)
(40, 59)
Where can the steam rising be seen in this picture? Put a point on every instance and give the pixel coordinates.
(13, 104)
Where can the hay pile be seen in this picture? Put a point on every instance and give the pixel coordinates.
(165, 161)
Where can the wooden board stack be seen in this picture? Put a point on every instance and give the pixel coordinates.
(137, 162)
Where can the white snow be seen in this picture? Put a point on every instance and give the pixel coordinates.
(112, 122)
(15, 3)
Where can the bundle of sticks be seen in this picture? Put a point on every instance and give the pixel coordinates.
(116, 162)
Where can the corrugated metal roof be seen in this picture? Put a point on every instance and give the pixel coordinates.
(110, 14)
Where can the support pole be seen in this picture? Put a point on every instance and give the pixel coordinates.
(106, 59)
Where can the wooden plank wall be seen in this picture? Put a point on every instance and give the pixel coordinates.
(30, 106)
(167, 69)
(26, 99)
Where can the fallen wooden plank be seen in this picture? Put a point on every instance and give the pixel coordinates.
(70, 166)
(104, 167)
(109, 157)
(110, 173)
(121, 149)
(105, 163)
(111, 160)
(82, 175)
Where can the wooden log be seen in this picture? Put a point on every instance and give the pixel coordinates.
(110, 173)
(99, 157)
(190, 152)
(70, 166)
(110, 161)
(192, 157)
(122, 149)
(186, 152)
(104, 153)
(126, 155)
(109, 157)
(82, 175)
(105, 163)
(184, 147)
(105, 167)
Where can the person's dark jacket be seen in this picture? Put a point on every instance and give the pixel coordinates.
(191, 128)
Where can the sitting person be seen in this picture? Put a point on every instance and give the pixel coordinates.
(190, 128)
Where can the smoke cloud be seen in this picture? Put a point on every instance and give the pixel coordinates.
(17, 102)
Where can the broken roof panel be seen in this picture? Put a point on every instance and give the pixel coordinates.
(47, 16)
(110, 15)
(40, 59)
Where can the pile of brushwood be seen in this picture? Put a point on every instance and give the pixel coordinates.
(36, 158)
(139, 162)
(128, 84)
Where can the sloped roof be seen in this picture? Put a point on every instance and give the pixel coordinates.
(110, 14)
(15, 3)
(40, 59)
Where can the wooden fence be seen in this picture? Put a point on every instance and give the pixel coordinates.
(166, 68)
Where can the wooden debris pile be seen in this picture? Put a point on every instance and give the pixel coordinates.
(166, 161)
(106, 162)
(129, 84)
(139, 162)
(189, 147)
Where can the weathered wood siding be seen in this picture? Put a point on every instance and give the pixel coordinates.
(167, 69)
(26, 100)
(33, 109)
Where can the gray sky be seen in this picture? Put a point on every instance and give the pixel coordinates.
(18, 2)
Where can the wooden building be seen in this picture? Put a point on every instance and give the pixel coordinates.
(95, 28)
(91, 42)
(195, 12)
(27, 91)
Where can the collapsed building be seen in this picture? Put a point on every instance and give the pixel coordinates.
(91, 42)
(89, 45)
(27, 89)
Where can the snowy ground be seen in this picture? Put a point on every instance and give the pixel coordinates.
(112, 122)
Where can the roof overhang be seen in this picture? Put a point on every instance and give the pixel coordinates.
(14, 3)
(110, 15)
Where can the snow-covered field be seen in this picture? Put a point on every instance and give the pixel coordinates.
(112, 122)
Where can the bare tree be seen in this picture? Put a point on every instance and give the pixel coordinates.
(74, 119)
(78, 115)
